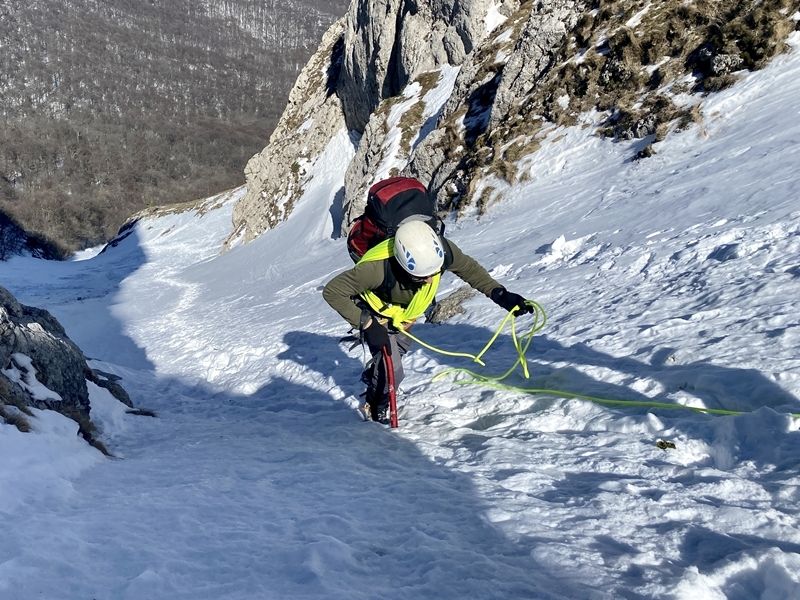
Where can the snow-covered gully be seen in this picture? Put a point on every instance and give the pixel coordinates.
(675, 278)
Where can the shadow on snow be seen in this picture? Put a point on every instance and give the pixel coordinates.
(284, 493)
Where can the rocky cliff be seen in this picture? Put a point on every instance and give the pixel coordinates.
(460, 94)
(41, 367)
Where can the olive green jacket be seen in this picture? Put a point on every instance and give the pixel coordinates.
(343, 291)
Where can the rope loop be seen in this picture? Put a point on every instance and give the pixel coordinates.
(521, 343)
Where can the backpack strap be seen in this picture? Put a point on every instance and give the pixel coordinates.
(389, 280)
(448, 253)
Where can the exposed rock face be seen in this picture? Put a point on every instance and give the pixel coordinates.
(427, 37)
(523, 68)
(361, 172)
(312, 117)
(486, 92)
(546, 29)
(389, 42)
(40, 366)
(483, 95)
(372, 54)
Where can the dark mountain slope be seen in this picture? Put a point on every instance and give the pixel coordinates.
(111, 106)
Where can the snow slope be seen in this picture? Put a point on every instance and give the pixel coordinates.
(675, 279)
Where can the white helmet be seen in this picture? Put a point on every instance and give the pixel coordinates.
(418, 249)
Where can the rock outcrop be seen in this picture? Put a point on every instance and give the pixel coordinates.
(487, 92)
(626, 69)
(389, 42)
(372, 54)
(41, 367)
(496, 76)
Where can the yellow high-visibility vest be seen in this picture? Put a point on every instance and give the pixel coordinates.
(398, 315)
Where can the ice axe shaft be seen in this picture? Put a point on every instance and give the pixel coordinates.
(387, 361)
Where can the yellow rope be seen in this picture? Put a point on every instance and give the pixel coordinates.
(538, 313)
(521, 346)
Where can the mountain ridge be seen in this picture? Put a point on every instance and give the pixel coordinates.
(629, 69)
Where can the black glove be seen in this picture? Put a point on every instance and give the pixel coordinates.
(376, 335)
(509, 301)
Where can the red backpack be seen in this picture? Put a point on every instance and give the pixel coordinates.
(389, 203)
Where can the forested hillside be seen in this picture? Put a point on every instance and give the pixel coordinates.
(110, 106)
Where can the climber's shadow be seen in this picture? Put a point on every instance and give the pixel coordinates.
(337, 358)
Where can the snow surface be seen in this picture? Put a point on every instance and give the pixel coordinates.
(676, 278)
(494, 18)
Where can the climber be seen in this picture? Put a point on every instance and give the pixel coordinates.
(392, 285)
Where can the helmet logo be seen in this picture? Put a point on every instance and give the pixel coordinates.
(410, 262)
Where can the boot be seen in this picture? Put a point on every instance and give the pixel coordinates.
(378, 406)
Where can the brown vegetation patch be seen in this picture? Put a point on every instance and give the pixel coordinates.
(631, 72)
(14, 418)
(87, 430)
(428, 80)
(505, 160)
(12, 411)
(630, 69)
(411, 121)
(485, 199)
(410, 124)
(11, 415)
